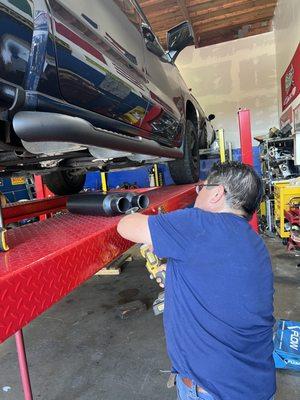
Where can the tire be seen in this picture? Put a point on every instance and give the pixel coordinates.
(203, 138)
(186, 169)
(64, 182)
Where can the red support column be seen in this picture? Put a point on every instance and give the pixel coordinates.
(42, 192)
(246, 148)
(23, 365)
(40, 188)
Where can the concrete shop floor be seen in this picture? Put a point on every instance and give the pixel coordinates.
(81, 349)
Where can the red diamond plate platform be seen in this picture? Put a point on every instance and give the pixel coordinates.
(49, 259)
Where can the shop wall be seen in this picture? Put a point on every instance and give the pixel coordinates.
(230, 75)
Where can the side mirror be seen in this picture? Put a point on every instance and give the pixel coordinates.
(151, 42)
(180, 37)
(211, 117)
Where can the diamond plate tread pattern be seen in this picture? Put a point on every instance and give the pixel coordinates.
(48, 259)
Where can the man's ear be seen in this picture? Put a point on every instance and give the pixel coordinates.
(218, 194)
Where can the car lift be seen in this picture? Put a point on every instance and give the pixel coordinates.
(46, 260)
(42, 262)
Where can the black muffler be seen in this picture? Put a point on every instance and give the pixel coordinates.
(98, 204)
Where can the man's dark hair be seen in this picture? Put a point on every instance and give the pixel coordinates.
(243, 186)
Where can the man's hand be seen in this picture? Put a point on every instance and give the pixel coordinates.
(134, 227)
(162, 268)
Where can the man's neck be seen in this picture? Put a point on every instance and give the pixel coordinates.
(239, 213)
(229, 210)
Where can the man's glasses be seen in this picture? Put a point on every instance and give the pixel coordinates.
(202, 185)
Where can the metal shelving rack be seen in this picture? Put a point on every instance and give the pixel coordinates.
(271, 170)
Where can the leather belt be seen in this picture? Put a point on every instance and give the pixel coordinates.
(189, 383)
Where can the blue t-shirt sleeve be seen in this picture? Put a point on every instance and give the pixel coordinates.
(172, 233)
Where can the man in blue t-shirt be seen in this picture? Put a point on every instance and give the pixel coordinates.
(218, 314)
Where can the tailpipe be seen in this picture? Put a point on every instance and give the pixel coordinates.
(37, 126)
(98, 204)
(140, 201)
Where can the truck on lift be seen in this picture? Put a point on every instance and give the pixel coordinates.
(87, 85)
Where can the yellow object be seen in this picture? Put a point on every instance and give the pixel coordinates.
(103, 182)
(134, 116)
(18, 180)
(156, 176)
(3, 200)
(154, 264)
(152, 261)
(3, 243)
(284, 195)
(263, 209)
(221, 145)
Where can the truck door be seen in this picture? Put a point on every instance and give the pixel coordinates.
(100, 57)
(165, 113)
(16, 27)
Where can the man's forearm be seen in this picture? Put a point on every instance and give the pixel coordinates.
(134, 227)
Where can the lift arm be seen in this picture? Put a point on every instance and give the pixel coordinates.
(48, 259)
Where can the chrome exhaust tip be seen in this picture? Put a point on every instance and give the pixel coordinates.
(121, 205)
(141, 201)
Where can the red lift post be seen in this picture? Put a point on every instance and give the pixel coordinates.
(246, 148)
(41, 191)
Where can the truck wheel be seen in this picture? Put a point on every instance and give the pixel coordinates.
(186, 169)
(64, 182)
(203, 138)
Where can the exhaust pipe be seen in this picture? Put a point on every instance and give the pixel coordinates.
(36, 126)
(98, 204)
(140, 201)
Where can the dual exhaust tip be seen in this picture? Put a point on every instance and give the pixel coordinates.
(106, 204)
(130, 201)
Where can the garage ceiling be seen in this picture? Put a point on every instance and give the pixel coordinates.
(213, 21)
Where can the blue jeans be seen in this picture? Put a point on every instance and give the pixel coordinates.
(195, 392)
(186, 393)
